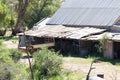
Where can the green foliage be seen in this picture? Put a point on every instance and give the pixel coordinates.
(36, 10)
(4, 54)
(7, 14)
(13, 71)
(8, 69)
(5, 38)
(3, 13)
(15, 54)
(68, 75)
(39, 9)
(47, 63)
(102, 42)
(21, 72)
(5, 73)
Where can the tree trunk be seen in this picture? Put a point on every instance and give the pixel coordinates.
(2, 32)
(21, 11)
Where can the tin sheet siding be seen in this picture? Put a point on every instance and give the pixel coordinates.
(87, 13)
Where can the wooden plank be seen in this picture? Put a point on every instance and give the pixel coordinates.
(38, 46)
(43, 45)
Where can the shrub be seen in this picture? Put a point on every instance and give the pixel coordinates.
(15, 54)
(8, 69)
(4, 55)
(13, 71)
(47, 64)
(105, 37)
(5, 74)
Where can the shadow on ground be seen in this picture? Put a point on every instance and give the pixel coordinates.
(24, 57)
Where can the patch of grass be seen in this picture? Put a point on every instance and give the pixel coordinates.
(79, 60)
(112, 61)
(12, 38)
(91, 57)
(3, 48)
(68, 75)
(15, 54)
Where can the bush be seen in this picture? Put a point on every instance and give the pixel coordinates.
(8, 69)
(15, 54)
(5, 74)
(47, 64)
(13, 71)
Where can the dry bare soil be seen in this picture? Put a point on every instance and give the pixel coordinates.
(11, 44)
(110, 71)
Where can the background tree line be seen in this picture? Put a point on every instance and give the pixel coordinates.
(15, 14)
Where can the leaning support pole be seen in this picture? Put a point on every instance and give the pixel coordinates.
(27, 51)
(88, 75)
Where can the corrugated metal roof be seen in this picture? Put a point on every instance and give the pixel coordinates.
(87, 13)
(91, 4)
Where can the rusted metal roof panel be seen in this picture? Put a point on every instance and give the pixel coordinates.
(64, 32)
(113, 36)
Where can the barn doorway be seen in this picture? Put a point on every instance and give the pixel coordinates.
(66, 46)
(116, 51)
(89, 47)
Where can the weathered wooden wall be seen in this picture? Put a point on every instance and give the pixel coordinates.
(108, 49)
(88, 47)
(64, 46)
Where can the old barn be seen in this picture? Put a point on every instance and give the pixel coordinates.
(78, 26)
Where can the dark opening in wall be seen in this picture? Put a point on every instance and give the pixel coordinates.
(116, 51)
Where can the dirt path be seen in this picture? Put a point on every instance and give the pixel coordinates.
(11, 44)
(110, 71)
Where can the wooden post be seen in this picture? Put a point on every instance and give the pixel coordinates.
(79, 46)
(108, 49)
(27, 51)
(91, 68)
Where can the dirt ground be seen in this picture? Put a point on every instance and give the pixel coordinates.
(11, 44)
(111, 72)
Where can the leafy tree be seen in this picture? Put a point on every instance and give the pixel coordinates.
(39, 9)
(12, 12)
(3, 18)
(17, 13)
(6, 16)
(22, 7)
